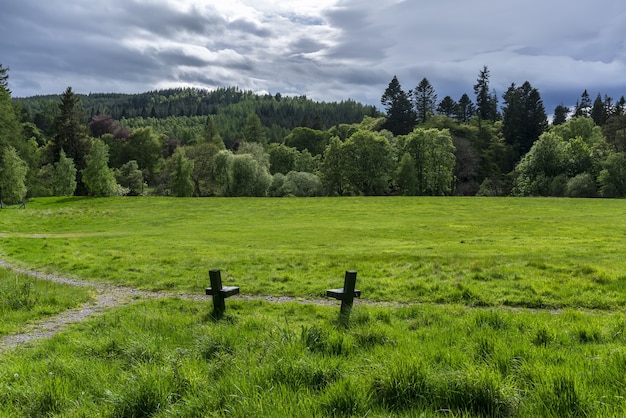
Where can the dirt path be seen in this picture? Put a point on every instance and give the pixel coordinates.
(107, 296)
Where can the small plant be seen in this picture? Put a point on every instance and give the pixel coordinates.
(543, 337)
(18, 295)
(319, 341)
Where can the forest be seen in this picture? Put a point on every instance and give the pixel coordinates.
(229, 142)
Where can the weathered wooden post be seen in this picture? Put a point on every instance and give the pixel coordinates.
(346, 295)
(219, 293)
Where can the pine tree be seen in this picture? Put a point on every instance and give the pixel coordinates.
(254, 130)
(448, 107)
(71, 131)
(466, 109)
(583, 108)
(560, 114)
(524, 118)
(425, 100)
(211, 134)
(599, 112)
(486, 102)
(401, 117)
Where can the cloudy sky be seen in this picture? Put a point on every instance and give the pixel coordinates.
(326, 49)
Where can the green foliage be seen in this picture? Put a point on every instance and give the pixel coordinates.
(254, 131)
(582, 185)
(612, 178)
(130, 177)
(331, 169)
(401, 117)
(282, 158)
(181, 183)
(13, 172)
(295, 183)
(367, 163)
(523, 118)
(202, 155)
(432, 153)
(97, 176)
(307, 139)
(70, 130)
(64, 176)
(11, 131)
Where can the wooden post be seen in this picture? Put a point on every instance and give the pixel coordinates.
(219, 293)
(346, 295)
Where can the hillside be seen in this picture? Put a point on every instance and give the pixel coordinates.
(231, 106)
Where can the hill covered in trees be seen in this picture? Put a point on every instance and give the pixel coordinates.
(228, 142)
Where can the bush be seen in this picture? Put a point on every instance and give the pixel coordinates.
(583, 185)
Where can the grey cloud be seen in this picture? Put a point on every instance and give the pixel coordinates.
(247, 26)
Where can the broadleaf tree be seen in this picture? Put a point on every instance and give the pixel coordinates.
(98, 177)
(13, 172)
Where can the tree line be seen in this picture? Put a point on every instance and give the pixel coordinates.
(268, 145)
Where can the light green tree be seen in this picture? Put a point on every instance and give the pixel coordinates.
(406, 176)
(97, 175)
(64, 176)
(181, 175)
(130, 177)
(13, 172)
(539, 172)
(331, 168)
(432, 152)
(367, 163)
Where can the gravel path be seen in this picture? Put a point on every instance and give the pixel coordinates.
(107, 296)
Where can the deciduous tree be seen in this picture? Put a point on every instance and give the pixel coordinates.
(97, 176)
(64, 176)
(367, 163)
(13, 172)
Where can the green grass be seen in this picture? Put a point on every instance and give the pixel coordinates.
(478, 252)
(168, 358)
(25, 299)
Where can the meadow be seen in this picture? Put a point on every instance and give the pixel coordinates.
(542, 253)
(470, 307)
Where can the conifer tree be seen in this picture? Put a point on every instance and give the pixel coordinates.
(425, 100)
(401, 117)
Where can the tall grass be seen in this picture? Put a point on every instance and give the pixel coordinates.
(169, 358)
(25, 299)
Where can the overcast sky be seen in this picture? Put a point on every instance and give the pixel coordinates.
(326, 49)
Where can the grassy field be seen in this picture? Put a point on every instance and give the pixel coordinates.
(478, 252)
(169, 359)
(469, 337)
(25, 299)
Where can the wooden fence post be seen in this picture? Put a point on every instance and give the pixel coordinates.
(219, 293)
(346, 295)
